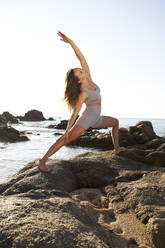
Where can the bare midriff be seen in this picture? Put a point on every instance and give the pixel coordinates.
(97, 103)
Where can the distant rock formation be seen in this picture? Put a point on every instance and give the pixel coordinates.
(50, 119)
(8, 133)
(32, 115)
(6, 117)
(91, 200)
(61, 125)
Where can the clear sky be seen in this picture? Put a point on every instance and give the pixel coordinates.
(122, 40)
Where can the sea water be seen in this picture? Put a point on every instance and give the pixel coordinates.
(13, 156)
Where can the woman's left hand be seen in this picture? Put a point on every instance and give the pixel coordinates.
(64, 37)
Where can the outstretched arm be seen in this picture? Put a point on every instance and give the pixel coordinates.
(82, 97)
(77, 51)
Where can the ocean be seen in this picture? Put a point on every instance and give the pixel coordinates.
(13, 156)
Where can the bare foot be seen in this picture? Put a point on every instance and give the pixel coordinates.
(42, 166)
(120, 149)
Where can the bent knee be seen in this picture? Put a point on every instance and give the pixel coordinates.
(116, 122)
(69, 139)
(73, 136)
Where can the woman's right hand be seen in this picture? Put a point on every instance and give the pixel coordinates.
(64, 37)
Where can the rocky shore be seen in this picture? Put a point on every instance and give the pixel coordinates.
(31, 115)
(91, 200)
(142, 142)
(96, 199)
(10, 134)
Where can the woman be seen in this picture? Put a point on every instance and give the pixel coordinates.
(81, 89)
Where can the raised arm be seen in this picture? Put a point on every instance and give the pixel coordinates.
(78, 53)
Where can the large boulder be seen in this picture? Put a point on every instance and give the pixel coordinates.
(142, 132)
(91, 200)
(10, 134)
(61, 125)
(3, 121)
(9, 117)
(142, 143)
(94, 139)
(149, 156)
(139, 135)
(32, 115)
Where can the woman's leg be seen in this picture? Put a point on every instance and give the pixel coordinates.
(108, 121)
(74, 133)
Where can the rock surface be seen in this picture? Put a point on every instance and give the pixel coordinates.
(7, 117)
(144, 145)
(10, 134)
(91, 200)
(61, 125)
(32, 115)
(139, 134)
(50, 119)
(3, 121)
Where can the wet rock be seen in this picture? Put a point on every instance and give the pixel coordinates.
(58, 133)
(3, 121)
(50, 119)
(9, 117)
(51, 126)
(10, 134)
(61, 125)
(27, 132)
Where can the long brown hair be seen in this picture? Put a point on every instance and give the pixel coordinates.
(72, 89)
